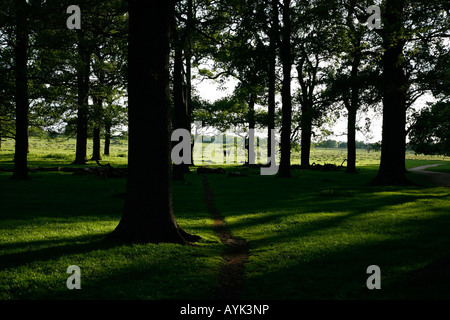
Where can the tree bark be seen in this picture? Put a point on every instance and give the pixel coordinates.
(96, 144)
(351, 139)
(96, 131)
(352, 104)
(271, 74)
(106, 151)
(307, 102)
(83, 73)
(180, 108)
(392, 166)
(21, 82)
(352, 109)
(306, 125)
(188, 57)
(148, 214)
(286, 60)
(251, 128)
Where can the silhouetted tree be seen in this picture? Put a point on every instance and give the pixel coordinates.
(148, 213)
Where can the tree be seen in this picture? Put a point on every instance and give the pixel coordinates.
(286, 61)
(181, 117)
(405, 24)
(148, 213)
(354, 82)
(7, 76)
(21, 94)
(314, 48)
(83, 73)
(430, 133)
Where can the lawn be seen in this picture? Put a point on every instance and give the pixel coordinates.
(313, 236)
(310, 237)
(59, 219)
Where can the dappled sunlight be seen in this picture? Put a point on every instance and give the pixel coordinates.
(307, 232)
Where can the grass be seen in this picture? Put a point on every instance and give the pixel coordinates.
(311, 237)
(60, 152)
(442, 168)
(63, 222)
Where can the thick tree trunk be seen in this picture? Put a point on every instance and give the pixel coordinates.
(83, 100)
(148, 213)
(285, 54)
(392, 166)
(21, 82)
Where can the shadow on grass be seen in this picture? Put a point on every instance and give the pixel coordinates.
(54, 249)
(309, 262)
(315, 240)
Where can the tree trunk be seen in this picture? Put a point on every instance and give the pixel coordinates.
(21, 98)
(180, 108)
(96, 153)
(148, 213)
(352, 104)
(271, 74)
(285, 55)
(83, 100)
(351, 140)
(392, 166)
(96, 144)
(251, 133)
(106, 151)
(306, 125)
(352, 109)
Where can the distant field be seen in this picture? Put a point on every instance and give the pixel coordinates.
(62, 152)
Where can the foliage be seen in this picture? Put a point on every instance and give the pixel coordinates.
(430, 133)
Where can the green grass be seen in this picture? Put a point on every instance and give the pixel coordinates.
(61, 152)
(63, 222)
(311, 237)
(442, 168)
(47, 152)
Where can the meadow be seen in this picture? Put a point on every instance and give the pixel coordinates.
(310, 237)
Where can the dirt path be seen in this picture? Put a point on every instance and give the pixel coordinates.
(231, 276)
(439, 178)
